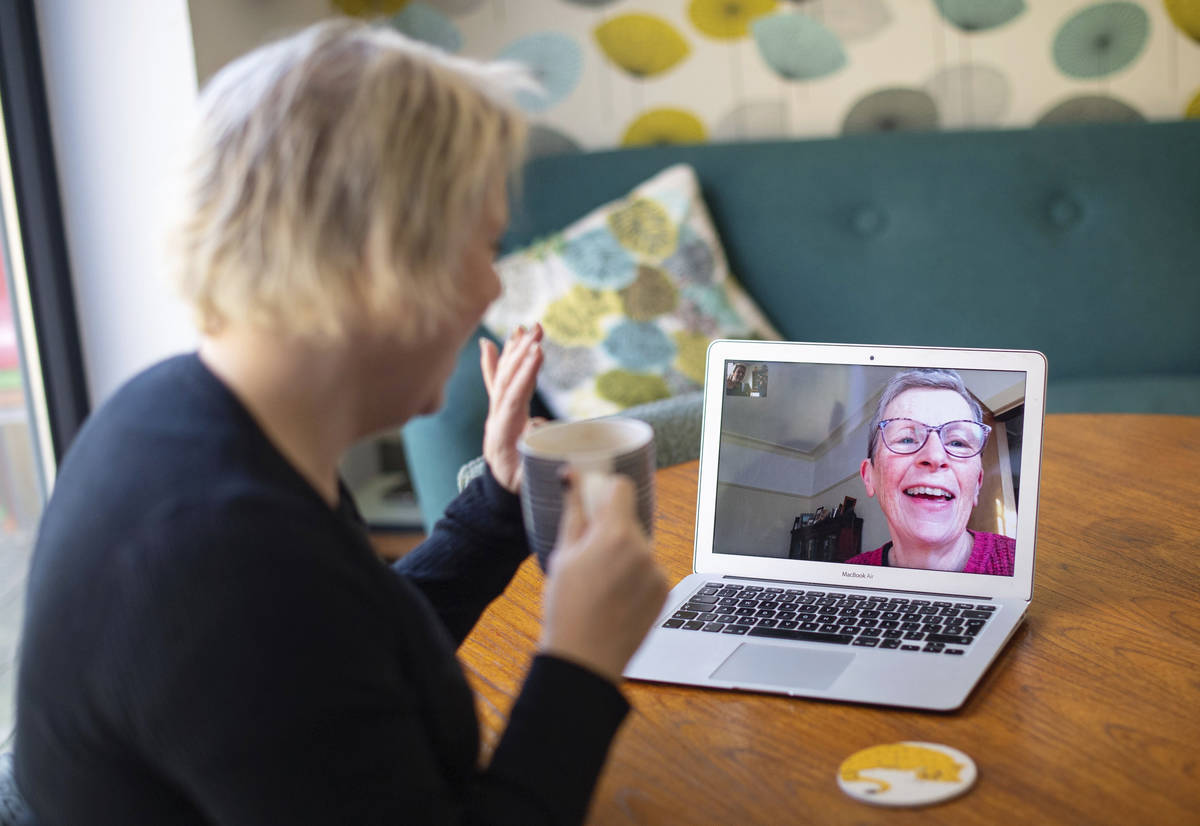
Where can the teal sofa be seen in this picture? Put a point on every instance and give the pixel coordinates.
(1079, 241)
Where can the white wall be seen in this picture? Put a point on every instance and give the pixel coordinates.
(121, 82)
(225, 29)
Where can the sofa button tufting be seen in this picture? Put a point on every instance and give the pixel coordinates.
(869, 220)
(1064, 211)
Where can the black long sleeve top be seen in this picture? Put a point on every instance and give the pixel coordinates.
(206, 640)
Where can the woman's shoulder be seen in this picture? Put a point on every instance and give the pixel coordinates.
(874, 557)
(990, 541)
(180, 391)
(992, 553)
(173, 440)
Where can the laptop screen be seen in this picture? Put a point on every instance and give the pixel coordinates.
(869, 465)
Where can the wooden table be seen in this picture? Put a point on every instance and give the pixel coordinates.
(1091, 714)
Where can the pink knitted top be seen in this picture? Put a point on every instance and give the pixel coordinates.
(991, 554)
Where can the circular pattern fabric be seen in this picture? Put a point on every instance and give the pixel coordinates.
(692, 261)
(600, 261)
(654, 293)
(627, 388)
(1186, 15)
(457, 6)
(638, 345)
(575, 319)
(427, 24)
(642, 44)
(1091, 109)
(556, 62)
(664, 126)
(369, 8)
(692, 347)
(849, 19)
(892, 110)
(751, 121)
(970, 95)
(1193, 108)
(798, 47)
(727, 19)
(711, 302)
(629, 296)
(980, 15)
(644, 226)
(566, 367)
(1101, 39)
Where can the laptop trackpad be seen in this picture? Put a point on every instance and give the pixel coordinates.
(782, 666)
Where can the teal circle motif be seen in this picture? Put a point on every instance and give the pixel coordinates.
(797, 47)
(427, 24)
(599, 261)
(1101, 39)
(639, 346)
(556, 62)
(978, 15)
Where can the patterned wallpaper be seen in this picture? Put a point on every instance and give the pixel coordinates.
(625, 72)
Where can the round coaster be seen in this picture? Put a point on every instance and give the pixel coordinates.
(906, 774)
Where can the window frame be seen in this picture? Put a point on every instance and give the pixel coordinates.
(58, 359)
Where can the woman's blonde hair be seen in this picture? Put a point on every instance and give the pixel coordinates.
(336, 176)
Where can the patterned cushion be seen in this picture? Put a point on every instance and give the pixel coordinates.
(629, 295)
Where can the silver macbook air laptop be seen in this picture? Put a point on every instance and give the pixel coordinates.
(865, 522)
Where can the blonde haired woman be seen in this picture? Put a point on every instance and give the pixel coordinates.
(209, 637)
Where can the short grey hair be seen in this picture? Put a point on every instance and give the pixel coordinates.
(336, 175)
(919, 378)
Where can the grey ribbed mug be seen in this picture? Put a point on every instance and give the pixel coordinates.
(592, 447)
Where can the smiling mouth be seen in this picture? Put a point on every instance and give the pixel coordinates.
(924, 492)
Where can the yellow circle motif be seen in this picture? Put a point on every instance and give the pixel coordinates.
(1193, 108)
(1186, 15)
(626, 388)
(664, 126)
(644, 227)
(727, 19)
(690, 350)
(641, 44)
(573, 320)
(369, 8)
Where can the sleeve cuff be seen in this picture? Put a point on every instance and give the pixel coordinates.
(499, 501)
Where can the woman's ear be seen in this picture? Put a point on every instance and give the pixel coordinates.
(867, 471)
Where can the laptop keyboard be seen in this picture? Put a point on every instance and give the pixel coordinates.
(835, 617)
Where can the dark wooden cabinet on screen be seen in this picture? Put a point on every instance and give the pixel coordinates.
(831, 540)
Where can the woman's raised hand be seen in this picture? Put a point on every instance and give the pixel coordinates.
(510, 377)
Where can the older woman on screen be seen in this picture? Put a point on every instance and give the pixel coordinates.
(209, 635)
(923, 465)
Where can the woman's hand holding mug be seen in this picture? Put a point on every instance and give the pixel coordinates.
(604, 587)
